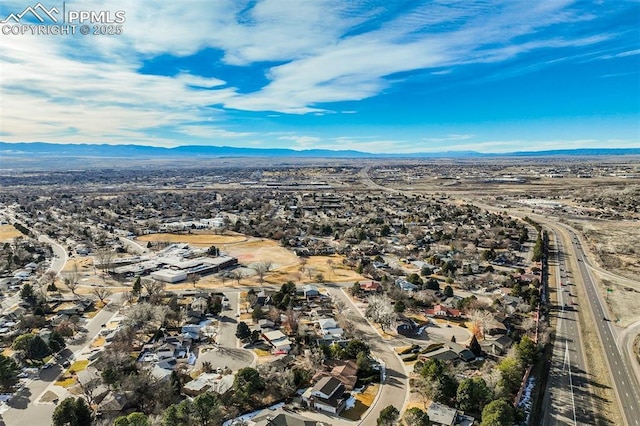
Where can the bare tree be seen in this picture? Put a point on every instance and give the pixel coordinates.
(145, 315)
(88, 387)
(380, 310)
(261, 269)
(481, 320)
(237, 276)
(50, 277)
(331, 264)
(155, 290)
(339, 306)
(310, 271)
(193, 278)
(101, 292)
(105, 261)
(72, 279)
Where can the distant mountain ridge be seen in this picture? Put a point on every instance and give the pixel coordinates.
(185, 151)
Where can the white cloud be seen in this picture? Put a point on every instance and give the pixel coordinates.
(90, 88)
(302, 141)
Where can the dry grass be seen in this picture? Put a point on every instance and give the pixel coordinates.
(85, 264)
(66, 381)
(615, 244)
(8, 233)
(198, 239)
(317, 264)
(49, 396)
(79, 365)
(623, 302)
(99, 342)
(363, 402)
(287, 266)
(262, 352)
(400, 349)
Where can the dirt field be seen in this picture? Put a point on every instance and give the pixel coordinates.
(196, 239)
(85, 265)
(623, 302)
(8, 233)
(616, 244)
(287, 266)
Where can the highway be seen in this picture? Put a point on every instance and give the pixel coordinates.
(567, 399)
(625, 382)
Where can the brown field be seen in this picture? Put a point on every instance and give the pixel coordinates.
(85, 264)
(615, 243)
(286, 264)
(8, 233)
(196, 239)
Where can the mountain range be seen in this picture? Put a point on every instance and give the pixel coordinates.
(38, 149)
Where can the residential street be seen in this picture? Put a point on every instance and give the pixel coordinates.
(394, 390)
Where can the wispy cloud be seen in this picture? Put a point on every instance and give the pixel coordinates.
(312, 54)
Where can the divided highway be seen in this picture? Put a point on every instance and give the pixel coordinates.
(625, 382)
(567, 399)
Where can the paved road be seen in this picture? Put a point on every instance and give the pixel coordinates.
(24, 408)
(395, 388)
(568, 398)
(624, 381)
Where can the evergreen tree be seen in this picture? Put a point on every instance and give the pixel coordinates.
(388, 416)
(242, 331)
(137, 287)
(72, 412)
(9, 371)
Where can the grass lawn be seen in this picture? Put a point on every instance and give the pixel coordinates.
(363, 402)
(400, 349)
(91, 314)
(100, 341)
(79, 365)
(262, 352)
(66, 381)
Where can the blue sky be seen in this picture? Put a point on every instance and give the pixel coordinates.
(376, 76)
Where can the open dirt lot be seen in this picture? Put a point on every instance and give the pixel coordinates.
(287, 266)
(196, 239)
(616, 245)
(8, 233)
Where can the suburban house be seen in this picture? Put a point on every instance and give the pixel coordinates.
(310, 290)
(278, 341)
(329, 327)
(440, 414)
(451, 352)
(282, 419)
(327, 395)
(345, 371)
(405, 285)
(405, 326)
(211, 382)
(442, 311)
(371, 287)
(499, 346)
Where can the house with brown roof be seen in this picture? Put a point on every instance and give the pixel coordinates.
(443, 312)
(371, 287)
(345, 371)
(327, 395)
